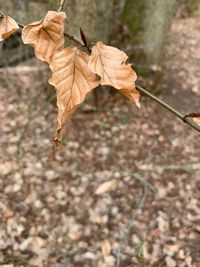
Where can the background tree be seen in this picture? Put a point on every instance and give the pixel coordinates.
(148, 23)
(139, 26)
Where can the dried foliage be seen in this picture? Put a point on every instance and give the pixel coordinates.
(196, 121)
(106, 187)
(46, 35)
(74, 75)
(110, 64)
(74, 72)
(73, 80)
(7, 27)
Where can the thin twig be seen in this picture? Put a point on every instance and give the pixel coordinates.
(62, 3)
(184, 118)
(140, 178)
(73, 38)
(131, 223)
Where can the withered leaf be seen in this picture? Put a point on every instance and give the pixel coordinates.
(196, 120)
(46, 35)
(106, 248)
(110, 64)
(7, 27)
(106, 187)
(73, 81)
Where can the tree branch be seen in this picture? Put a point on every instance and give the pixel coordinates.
(62, 3)
(131, 222)
(184, 118)
(73, 38)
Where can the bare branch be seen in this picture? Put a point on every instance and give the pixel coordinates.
(184, 118)
(132, 221)
(62, 3)
(73, 38)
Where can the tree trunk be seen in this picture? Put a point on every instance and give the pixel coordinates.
(24, 11)
(158, 18)
(93, 16)
(148, 23)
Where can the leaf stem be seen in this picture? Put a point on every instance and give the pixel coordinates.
(184, 118)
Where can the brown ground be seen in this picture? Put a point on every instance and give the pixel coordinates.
(50, 212)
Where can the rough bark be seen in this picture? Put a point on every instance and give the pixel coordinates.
(158, 18)
(148, 23)
(93, 16)
(23, 10)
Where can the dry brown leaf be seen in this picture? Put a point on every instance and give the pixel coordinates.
(75, 235)
(73, 81)
(40, 249)
(7, 27)
(106, 248)
(110, 64)
(106, 187)
(196, 120)
(46, 35)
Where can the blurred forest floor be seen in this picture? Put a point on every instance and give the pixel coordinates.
(50, 214)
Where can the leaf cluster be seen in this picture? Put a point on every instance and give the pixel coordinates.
(75, 73)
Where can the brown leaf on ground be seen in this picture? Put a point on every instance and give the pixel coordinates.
(106, 248)
(74, 236)
(7, 27)
(110, 64)
(73, 81)
(106, 187)
(46, 35)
